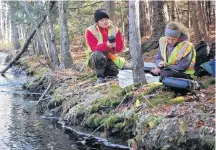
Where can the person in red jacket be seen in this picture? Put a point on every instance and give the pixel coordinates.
(104, 41)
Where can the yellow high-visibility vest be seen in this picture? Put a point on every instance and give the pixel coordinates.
(180, 51)
(112, 30)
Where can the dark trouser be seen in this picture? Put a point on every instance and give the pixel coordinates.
(102, 66)
(174, 73)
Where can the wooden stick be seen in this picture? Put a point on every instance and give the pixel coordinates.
(41, 98)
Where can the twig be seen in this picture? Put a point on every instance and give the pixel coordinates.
(148, 101)
(41, 98)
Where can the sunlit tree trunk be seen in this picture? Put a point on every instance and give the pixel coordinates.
(135, 43)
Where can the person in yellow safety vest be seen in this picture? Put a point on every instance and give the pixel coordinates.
(176, 56)
(104, 42)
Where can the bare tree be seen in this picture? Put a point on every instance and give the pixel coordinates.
(202, 23)
(135, 43)
(194, 21)
(53, 51)
(14, 29)
(158, 26)
(66, 58)
(144, 19)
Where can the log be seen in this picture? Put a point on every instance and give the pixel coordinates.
(27, 42)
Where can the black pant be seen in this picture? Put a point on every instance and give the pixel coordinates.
(102, 66)
(174, 73)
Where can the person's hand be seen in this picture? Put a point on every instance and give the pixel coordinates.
(161, 64)
(155, 71)
(111, 45)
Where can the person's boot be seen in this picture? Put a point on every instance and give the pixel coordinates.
(100, 80)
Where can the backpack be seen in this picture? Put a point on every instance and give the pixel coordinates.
(204, 53)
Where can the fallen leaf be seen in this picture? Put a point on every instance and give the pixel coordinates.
(137, 103)
(151, 124)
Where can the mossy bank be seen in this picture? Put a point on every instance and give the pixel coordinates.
(146, 116)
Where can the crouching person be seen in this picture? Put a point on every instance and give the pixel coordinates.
(104, 41)
(176, 55)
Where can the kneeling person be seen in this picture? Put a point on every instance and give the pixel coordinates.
(104, 41)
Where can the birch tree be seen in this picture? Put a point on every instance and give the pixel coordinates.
(135, 43)
(66, 58)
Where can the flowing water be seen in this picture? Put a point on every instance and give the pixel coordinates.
(22, 129)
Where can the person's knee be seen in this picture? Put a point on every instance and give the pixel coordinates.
(98, 60)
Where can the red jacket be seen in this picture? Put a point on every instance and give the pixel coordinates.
(92, 41)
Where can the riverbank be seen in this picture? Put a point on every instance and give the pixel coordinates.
(147, 116)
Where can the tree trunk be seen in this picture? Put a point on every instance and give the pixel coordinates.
(144, 20)
(166, 12)
(47, 37)
(173, 10)
(54, 55)
(202, 23)
(194, 21)
(158, 26)
(188, 15)
(1, 21)
(110, 7)
(66, 58)
(208, 13)
(135, 43)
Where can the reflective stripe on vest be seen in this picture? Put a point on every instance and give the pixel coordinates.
(180, 51)
(119, 61)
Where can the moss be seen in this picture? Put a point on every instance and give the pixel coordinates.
(120, 125)
(56, 101)
(151, 88)
(152, 121)
(80, 111)
(90, 120)
(84, 77)
(94, 108)
(111, 121)
(103, 103)
(95, 120)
